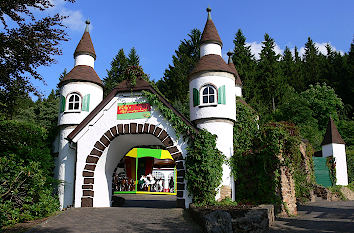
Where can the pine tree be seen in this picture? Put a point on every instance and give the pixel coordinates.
(311, 61)
(297, 81)
(116, 74)
(269, 81)
(287, 65)
(175, 84)
(133, 58)
(245, 64)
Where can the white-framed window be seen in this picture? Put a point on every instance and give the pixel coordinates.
(74, 102)
(208, 95)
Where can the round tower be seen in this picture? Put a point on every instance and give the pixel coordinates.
(238, 82)
(212, 97)
(81, 90)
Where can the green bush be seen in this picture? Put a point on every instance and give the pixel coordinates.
(26, 183)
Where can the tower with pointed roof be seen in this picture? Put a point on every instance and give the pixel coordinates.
(81, 90)
(334, 145)
(212, 97)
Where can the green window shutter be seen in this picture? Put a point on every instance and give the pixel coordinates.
(86, 103)
(221, 95)
(195, 97)
(62, 103)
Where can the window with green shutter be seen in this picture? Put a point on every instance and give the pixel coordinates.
(221, 95)
(86, 103)
(62, 103)
(195, 97)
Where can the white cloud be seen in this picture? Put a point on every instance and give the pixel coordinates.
(256, 48)
(75, 20)
(321, 48)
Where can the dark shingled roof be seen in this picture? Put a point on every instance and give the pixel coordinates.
(85, 46)
(210, 34)
(82, 73)
(238, 79)
(212, 62)
(332, 135)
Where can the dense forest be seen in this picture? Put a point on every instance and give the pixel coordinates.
(304, 90)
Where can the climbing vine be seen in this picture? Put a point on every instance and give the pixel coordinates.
(331, 164)
(204, 160)
(258, 154)
(131, 73)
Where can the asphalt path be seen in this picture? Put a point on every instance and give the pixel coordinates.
(321, 216)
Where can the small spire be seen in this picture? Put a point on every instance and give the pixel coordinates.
(87, 25)
(230, 57)
(209, 15)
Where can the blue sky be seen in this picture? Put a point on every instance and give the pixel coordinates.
(155, 28)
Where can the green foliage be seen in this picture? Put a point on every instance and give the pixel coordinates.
(28, 41)
(204, 160)
(245, 64)
(123, 68)
(351, 186)
(175, 82)
(350, 162)
(324, 103)
(265, 150)
(310, 110)
(331, 164)
(26, 182)
(203, 167)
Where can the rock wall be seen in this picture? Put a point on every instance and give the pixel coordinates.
(287, 192)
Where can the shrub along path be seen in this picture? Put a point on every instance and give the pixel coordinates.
(321, 216)
(140, 213)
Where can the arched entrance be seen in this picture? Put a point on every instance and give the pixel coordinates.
(145, 170)
(122, 138)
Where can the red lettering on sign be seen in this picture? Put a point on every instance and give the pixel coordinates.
(132, 108)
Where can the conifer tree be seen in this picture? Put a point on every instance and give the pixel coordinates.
(119, 66)
(297, 82)
(269, 81)
(116, 74)
(287, 65)
(311, 61)
(175, 84)
(133, 58)
(245, 64)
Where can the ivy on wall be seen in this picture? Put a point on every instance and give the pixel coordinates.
(204, 160)
(258, 155)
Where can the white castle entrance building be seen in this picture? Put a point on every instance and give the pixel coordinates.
(95, 134)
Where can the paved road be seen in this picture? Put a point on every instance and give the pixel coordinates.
(321, 216)
(152, 213)
(141, 213)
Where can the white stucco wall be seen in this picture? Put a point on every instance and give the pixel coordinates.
(238, 91)
(206, 49)
(217, 79)
(224, 142)
(84, 59)
(65, 169)
(338, 152)
(82, 88)
(102, 122)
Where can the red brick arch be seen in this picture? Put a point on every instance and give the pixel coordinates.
(122, 129)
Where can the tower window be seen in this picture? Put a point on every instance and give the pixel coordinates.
(208, 95)
(74, 102)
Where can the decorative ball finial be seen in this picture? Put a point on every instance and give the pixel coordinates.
(209, 10)
(87, 25)
(230, 57)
